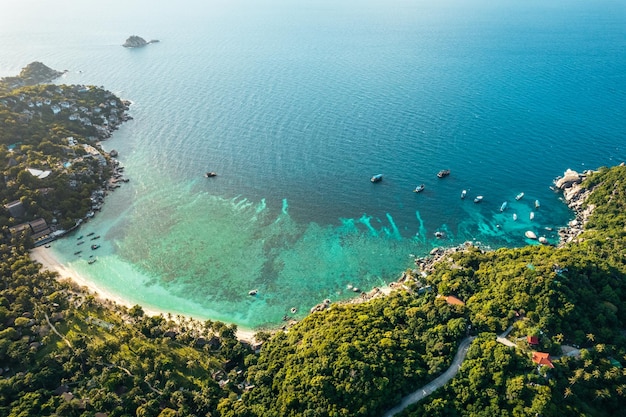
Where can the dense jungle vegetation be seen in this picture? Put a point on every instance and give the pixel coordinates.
(64, 353)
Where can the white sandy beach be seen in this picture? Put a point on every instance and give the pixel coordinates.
(49, 262)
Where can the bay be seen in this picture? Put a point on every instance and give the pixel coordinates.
(296, 106)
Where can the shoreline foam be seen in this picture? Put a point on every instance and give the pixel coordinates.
(50, 262)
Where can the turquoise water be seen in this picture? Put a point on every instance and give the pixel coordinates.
(296, 106)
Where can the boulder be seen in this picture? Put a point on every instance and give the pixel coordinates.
(569, 178)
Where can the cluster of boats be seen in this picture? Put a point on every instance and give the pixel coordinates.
(479, 198)
(505, 204)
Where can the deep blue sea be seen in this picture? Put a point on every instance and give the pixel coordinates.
(296, 105)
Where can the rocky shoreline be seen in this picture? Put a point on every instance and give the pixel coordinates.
(575, 197)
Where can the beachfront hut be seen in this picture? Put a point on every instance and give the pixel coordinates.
(15, 208)
(38, 225)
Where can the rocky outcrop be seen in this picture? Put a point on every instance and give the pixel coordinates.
(575, 196)
(137, 42)
(569, 178)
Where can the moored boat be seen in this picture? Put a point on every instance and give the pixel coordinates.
(91, 261)
(463, 194)
(503, 206)
(514, 216)
(377, 178)
(94, 247)
(419, 188)
(210, 174)
(253, 292)
(532, 215)
(443, 173)
(530, 235)
(537, 205)
(478, 199)
(519, 196)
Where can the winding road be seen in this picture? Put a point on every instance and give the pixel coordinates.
(436, 383)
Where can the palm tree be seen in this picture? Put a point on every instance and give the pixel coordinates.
(567, 393)
(591, 337)
(603, 393)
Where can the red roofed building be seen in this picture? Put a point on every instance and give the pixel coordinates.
(533, 340)
(541, 358)
(452, 300)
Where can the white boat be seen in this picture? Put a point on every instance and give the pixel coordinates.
(503, 206)
(530, 235)
(463, 194)
(537, 205)
(253, 292)
(532, 215)
(514, 216)
(519, 196)
(478, 199)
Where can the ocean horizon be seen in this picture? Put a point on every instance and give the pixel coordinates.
(296, 107)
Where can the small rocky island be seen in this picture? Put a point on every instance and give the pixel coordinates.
(137, 42)
(34, 73)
